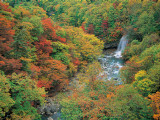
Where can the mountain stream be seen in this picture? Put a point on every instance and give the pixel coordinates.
(111, 64)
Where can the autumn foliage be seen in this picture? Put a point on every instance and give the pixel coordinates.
(50, 30)
(156, 104)
(44, 43)
(6, 38)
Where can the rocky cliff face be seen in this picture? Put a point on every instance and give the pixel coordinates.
(111, 45)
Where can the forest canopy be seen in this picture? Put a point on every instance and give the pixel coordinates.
(45, 43)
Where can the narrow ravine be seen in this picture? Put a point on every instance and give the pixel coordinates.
(111, 63)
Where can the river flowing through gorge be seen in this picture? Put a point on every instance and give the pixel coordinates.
(111, 63)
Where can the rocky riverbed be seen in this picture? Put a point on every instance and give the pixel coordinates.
(51, 109)
(110, 65)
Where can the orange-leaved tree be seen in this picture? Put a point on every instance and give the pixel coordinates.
(7, 63)
(50, 72)
(155, 104)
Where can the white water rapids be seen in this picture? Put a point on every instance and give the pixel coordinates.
(112, 62)
(111, 66)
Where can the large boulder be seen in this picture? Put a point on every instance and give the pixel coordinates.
(111, 45)
(50, 108)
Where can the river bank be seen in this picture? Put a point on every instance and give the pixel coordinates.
(110, 71)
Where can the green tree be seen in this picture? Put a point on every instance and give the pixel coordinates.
(146, 23)
(129, 104)
(6, 102)
(154, 75)
(17, 97)
(24, 91)
(142, 83)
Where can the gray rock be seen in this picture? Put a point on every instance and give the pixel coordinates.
(49, 108)
(49, 118)
(47, 111)
(111, 45)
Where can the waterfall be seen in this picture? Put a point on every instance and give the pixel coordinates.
(122, 44)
